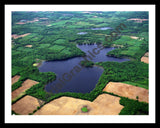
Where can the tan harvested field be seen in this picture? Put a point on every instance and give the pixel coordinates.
(127, 90)
(29, 46)
(32, 21)
(134, 37)
(15, 36)
(20, 23)
(15, 79)
(25, 105)
(25, 85)
(145, 58)
(104, 104)
(137, 20)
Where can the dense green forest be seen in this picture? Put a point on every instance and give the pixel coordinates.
(54, 36)
(87, 63)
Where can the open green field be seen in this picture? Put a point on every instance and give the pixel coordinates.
(128, 47)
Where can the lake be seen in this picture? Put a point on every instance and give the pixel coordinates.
(71, 77)
(102, 28)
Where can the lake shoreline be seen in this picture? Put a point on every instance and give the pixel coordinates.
(69, 71)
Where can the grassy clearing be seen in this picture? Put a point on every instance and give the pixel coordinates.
(44, 45)
(133, 48)
(35, 64)
(60, 42)
(56, 48)
(65, 51)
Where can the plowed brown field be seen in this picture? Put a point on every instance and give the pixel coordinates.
(25, 85)
(104, 104)
(15, 79)
(25, 105)
(127, 90)
(145, 58)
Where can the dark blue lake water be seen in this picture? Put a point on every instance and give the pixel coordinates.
(71, 77)
(102, 28)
